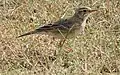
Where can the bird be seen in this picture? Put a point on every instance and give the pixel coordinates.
(65, 28)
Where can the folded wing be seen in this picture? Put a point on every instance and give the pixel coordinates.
(61, 25)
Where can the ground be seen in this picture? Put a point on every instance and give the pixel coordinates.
(97, 52)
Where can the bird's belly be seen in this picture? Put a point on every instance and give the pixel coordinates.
(64, 33)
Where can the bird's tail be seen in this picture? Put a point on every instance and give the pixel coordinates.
(29, 33)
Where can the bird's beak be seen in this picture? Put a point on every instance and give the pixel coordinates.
(92, 11)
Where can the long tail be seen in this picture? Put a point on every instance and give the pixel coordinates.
(29, 33)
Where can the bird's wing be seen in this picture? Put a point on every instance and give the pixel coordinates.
(61, 25)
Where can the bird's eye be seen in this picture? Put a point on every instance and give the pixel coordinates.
(84, 10)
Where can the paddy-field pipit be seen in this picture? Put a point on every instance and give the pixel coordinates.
(66, 28)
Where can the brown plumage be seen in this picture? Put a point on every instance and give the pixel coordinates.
(71, 26)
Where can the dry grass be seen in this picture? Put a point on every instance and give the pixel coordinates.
(95, 53)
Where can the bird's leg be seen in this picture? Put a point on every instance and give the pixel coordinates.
(65, 37)
(62, 42)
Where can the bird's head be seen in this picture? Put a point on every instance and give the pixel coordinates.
(83, 12)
